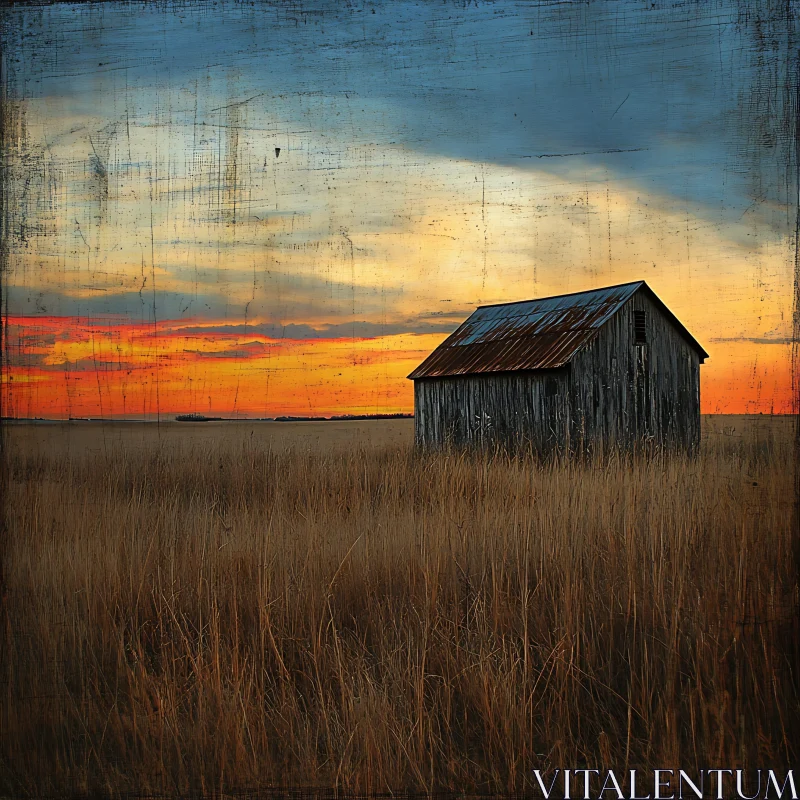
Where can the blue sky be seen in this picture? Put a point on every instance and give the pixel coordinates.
(678, 83)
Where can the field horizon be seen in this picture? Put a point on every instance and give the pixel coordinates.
(371, 432)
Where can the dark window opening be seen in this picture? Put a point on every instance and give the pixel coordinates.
(551, 387)
(640, 327)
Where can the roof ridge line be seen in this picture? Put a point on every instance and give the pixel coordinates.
(565, 294)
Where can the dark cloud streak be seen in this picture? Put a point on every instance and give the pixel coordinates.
(687, 84)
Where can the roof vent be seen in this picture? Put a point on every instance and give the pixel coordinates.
(640, 327)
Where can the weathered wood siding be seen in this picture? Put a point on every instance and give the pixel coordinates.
(622, 392)
(614, 392)
(510, 409)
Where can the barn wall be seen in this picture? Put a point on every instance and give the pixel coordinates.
(621, 391)
(510, 409)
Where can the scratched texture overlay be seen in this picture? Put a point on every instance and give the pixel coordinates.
(256, 209)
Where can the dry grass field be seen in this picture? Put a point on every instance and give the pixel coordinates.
(200, 608)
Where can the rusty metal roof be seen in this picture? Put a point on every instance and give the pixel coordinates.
(533, 334)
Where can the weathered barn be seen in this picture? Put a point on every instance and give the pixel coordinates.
(611, 365)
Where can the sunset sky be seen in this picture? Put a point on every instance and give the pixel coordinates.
(263, 209)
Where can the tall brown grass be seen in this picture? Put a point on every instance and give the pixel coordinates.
(206, 618)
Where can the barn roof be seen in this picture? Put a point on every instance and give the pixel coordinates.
(534, 334)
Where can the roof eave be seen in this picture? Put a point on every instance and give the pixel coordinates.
(553, 368)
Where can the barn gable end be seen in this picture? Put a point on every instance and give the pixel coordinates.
(621, 391)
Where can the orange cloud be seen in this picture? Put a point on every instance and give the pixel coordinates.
(70, 367)
(73, 367)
